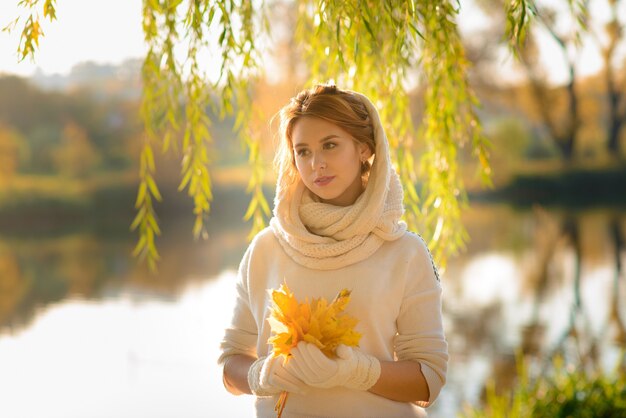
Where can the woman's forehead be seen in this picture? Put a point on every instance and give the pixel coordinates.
(313, 130)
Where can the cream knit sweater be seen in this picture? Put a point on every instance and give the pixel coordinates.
(319, 249)
(396, 296)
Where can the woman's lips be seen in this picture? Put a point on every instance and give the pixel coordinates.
(323, 181)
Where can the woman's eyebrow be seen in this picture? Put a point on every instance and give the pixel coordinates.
(326, 138)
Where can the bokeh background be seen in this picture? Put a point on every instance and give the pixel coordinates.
(87, 331)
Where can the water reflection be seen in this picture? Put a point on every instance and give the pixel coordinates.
(122, 357)
(38, 271)
(560, 292)
(86, 332)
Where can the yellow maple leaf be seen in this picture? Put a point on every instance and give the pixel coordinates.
(318, 322)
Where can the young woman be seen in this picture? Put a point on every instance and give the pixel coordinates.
(337, 225)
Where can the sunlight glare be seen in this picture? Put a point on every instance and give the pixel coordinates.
(490, 278)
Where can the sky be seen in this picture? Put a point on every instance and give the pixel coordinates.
(101, 31)
(588, 62)
(110, 32)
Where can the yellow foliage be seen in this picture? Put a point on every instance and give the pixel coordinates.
(321, 323)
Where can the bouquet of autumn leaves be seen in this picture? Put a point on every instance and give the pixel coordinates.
(318, 322)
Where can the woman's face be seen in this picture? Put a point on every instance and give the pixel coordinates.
(328, 160)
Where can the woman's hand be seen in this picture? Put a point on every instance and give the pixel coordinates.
(352, 368)
(268, 376)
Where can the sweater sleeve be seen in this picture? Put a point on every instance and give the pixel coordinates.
(420, 334)
(241, 335)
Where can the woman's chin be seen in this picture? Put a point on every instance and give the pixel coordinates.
(325, 197)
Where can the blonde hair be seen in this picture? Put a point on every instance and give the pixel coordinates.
(325, 101)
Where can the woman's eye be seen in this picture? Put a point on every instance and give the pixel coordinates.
(330, 145)
(302, 152)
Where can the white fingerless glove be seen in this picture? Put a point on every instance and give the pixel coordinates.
(267, 376)
(352, 369)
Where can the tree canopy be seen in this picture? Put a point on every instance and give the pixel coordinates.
(374, 47)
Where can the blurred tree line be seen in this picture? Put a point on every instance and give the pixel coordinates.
(67, 133)
(581, 116)
(49, 127)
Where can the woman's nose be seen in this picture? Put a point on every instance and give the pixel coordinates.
(318, 161)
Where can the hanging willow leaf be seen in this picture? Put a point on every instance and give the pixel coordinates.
(49, 10)
(518, 14)
(369, 46)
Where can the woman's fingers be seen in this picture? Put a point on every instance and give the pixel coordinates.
(344, 352)
(288, 383)
(275, 375)
(302, 365)
(317, 357)
(311, 365)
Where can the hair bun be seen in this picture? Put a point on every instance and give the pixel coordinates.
(326, 89)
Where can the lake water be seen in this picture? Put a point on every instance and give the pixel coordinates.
(85, 332)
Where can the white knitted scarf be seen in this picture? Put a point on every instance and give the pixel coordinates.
(325, 237)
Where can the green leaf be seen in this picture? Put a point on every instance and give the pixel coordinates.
(140, 246)
(138, 218)
(153, 188)
(153, 224)
(149, 157)
(141, 194)
(49, 10)
(185, 180)
(206, 188)
(251, 208)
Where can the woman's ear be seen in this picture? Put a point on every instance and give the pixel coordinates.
(364, 151)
